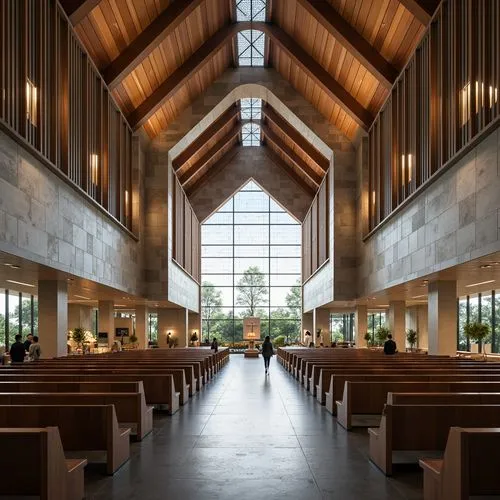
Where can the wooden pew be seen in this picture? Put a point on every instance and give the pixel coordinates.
(179, 376)
(423, 428)
(337, 382)
(131, 409)
(159, 389)
(368, 398)
(82, 428)
(50, 476)
(469, 466)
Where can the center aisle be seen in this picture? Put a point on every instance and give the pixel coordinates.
(248, 436)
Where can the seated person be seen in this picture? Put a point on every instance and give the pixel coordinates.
(390, 345)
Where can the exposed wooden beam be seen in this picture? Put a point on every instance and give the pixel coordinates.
(181, 75)
(189, 174)
(317, 73)
(219, 166)
(423, 10)
(195, 146)
(77, 10)
(355, 43)
(291, 155)
(148, 40)
(276, 159)
(296, 137)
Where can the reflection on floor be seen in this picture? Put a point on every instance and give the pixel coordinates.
(248, 436)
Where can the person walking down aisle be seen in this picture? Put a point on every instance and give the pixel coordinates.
(34, 351)
(267, 353)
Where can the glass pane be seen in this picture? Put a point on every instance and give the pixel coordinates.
(213, 299)
(217, 235)
(282, 218)
(257, 265)
(473, 309)
(285, 280)
(240, 279)
(256, 218)
(227, 207)
(251, 251)
(285, 251)
(279, 296)
(285, 265)
(26, 315)
(257, 235)
(210, 265)
(486, 314)
(35, 312)
(245, 201)
(462, 321)
(220, 218)
(218, 280)
(286, 235)
(275, 207)
(13, 316)
(216, 251)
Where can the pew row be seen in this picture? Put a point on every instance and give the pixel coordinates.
(468, 468)
(51, 476)
(82, 429)
(423, 428)
(363, 401)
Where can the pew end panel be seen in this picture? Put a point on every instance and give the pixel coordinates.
(381, 442)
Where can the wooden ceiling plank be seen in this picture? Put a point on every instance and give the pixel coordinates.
(78, 10)
(317, 73)
(355, 43)
(275, 158)
(296, 137)
(291, 155)
(148, 40)
(184, 178)
(181, 75)
(423, 11)
(195, 146)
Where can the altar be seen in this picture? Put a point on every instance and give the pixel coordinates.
(251, 332)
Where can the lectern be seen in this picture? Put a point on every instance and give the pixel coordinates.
(251, 332)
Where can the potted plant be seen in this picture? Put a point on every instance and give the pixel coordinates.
(368, 339)
(79, 336)
(194, 339)
(381, 334)
(478, 332)
(411, 338)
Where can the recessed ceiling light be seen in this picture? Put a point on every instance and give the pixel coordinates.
(12, 266)
(480, 283)
(21, 283)
(486, 266)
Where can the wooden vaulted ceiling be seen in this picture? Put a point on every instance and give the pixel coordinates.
(158, 56)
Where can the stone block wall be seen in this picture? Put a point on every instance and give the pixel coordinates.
(455, 220)
(251, 163)
(45, 220)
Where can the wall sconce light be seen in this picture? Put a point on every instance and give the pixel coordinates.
(465, 99)
(406, 160)
(31, 103)
(94, 168)
(373, 197)
(126, 201)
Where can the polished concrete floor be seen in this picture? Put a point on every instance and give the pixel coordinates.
(248, 436)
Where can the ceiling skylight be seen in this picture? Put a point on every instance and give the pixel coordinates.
(251, 109)
(251, 10)
(251, 45)
(250, 134)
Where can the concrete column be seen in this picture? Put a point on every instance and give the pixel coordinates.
(397, 323)
(194, 325)
(361, 325)
(321, 320)
(80, 316)
(53, 318)
(307, 324)
(141, 325)
(416, 319)
(442, 317)
(174, 321)
(107, 319)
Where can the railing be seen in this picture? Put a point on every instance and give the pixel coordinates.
(443, 101)
(54, 100)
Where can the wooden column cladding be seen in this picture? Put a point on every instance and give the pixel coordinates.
(55, 103)
(186, 233)
(315, 233)
(446, 97)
